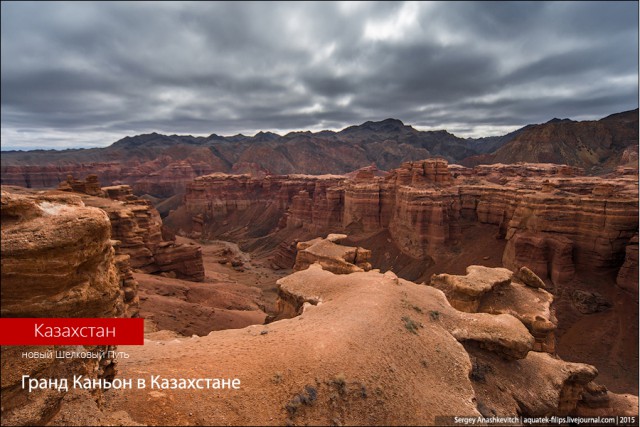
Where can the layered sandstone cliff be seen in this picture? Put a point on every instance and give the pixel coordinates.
(57, 261)
(332, 256)
(363, 348)
(137, 227)
(163, 176)
(554, 219)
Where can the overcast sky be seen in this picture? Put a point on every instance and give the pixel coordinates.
(87, 74)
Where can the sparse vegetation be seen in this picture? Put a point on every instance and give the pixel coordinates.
(312, 393)
(277, 378)
(434, 315)
(363, 391)
(411, 325)
(307, 397)
(407, 304)
(293, 405)
(341, 382)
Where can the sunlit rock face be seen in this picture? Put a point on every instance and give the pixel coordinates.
(555, 220)
(57, 261)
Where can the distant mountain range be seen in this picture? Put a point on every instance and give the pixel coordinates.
(598, 146)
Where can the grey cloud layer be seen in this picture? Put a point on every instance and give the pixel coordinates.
(89, 73)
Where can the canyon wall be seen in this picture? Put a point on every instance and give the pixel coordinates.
(364, 347)
(555, 220)
(57, 261)
(628, 274)
(163, 176)
(137, 227)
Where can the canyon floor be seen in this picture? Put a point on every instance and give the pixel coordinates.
(238, 290)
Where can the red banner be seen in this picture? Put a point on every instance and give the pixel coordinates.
(71, 331)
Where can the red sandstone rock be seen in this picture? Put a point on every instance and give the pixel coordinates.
(530, 278)
(628, 274)
(137, 225)
(554, 219)
(465, 292)
(89, 186)
(62, 235)
(330, 256)
(161, 177)
(407, 335)
(57, 261)
(548, 256)
(185, 260)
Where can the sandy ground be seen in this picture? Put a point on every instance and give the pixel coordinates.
(229, 297)
(255, 271)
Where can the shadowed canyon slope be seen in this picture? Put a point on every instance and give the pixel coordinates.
(161, 165)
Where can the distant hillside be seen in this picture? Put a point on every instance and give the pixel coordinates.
(160, 165)
(596, 146)
(490, 144)
(386, 143)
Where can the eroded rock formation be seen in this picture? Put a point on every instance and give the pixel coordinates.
(57, 261)
(498, 291)
(628, 274)
(465, 292)
(554, 219)
(163, 176)
(332, 256)
(363, 347)
(412, 359)
(137, 227)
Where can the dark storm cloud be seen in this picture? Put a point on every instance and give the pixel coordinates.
(87, 74)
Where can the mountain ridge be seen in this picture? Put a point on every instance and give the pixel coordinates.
(161, 165)
(389, 124)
